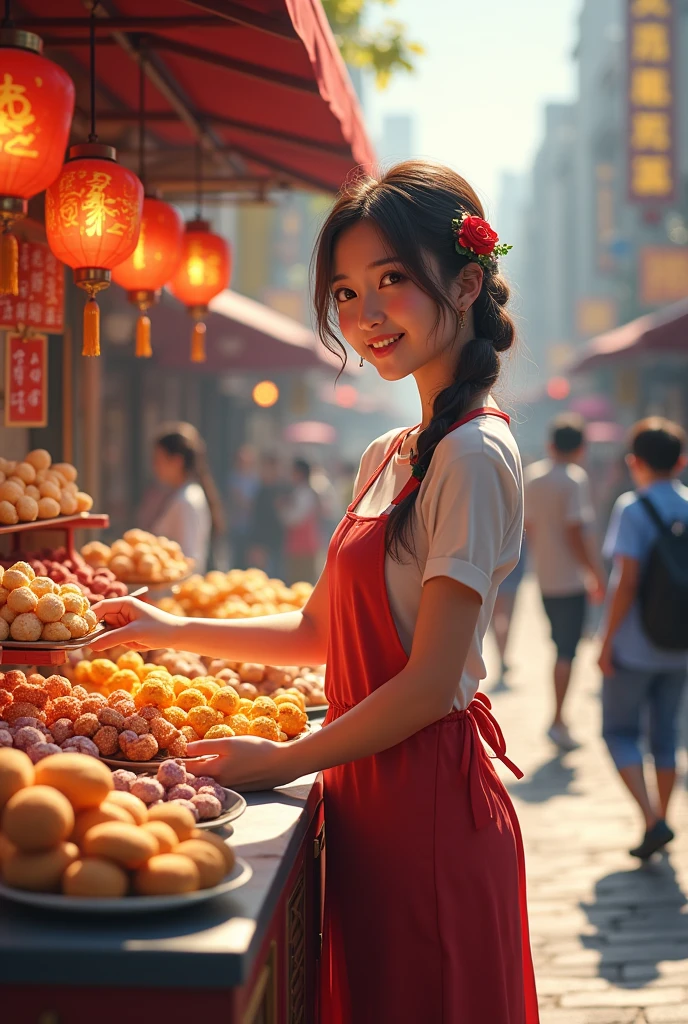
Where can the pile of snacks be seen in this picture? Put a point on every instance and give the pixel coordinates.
(37, 489)
(237, 594)
(139, 558)
(36, 608)
(202, 795)
(56, 564)
(65, 828)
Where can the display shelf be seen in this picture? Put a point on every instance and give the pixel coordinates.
(68, 524)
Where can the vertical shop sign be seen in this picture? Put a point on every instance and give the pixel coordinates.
(651, 101)
(26, 380)
(39, 306)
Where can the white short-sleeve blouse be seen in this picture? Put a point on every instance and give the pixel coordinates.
(468, 525)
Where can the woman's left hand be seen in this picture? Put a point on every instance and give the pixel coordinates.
(243, 762)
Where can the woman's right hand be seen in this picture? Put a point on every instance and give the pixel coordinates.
(134, 624)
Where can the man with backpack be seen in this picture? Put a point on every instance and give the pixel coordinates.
(644, 654)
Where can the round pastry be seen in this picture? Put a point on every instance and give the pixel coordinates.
(124, 679)
(4, 630)
(8, 514)
(149, 712)
(48, 508)
(291, 719)
(219, 732)
(68, 504)
(74, 603)
(107, 740)
(25, 471)
(64, 707)
(176, 716)
(10, 492)
(81, 673)
(26, 628)
(207, 805)
(123, 779)
(167, 874)
(15, 578)
(31, 693)
(41, 586)
(62, 729)
(83, 780)
(107, 811)
(201, 719)
(41, 871)
(20, 709)
(67, 470)
(125, 738)
(80, 692)
(163, 731)
(40, 750)
(148, 790)
(189, 734)
(181, 819)
(21, 600)
(143, 748)
(127, 845)
(225, 700)
(208, 859)
(171, 773)
(214, 788)
(55, 632)
(14, 479)
(91, 619)
(57, 686)
(137, 724)
(158, 692)
(95, 878)
(94, 704)
(102, 670)
(86, 725)
(8, 615)
(39, 458)
(239, 724)
(130, 660)
(178, 746)
(37, 818)
(84, 502)
(32, 492)
(265, 727)
(245, 706)
(70, 588)
(76, 624)
(4, 594)
(123, 567)
(50, 490)
(182, 791)
(190, 698)
(250, 673)
(24, 568)
(186, 804)
(6, 738)
(164, 833)
(208, 687)
(219, 843)
(81, 745)
(16, 772)
(130, 803)
(27, 737)
(264, 707)
(27, 509)
(111, 716)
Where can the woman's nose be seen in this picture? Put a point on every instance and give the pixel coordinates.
(370, 315)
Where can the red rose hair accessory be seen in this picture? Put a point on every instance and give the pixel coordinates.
(476, 240)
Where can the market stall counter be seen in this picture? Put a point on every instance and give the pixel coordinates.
(249, 957)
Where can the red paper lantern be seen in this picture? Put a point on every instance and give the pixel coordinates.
(36, 108)
(152, 263)
(92, 219)
(204, 272)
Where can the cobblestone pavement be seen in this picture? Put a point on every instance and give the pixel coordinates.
(610, 938)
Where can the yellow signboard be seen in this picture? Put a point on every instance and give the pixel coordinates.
(663, 274)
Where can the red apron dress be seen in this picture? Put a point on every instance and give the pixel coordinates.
(425, 900)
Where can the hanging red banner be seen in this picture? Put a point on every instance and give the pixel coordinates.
(39, 306)
(26, 380)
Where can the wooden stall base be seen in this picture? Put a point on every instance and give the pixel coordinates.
(20, 656)
(67, 524)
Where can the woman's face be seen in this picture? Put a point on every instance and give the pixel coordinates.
(383, 315)
(168, 469)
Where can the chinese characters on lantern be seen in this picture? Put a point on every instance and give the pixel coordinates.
(40, 302)
(26, 381)
(86, 203)
(652, 171)
(15, 117)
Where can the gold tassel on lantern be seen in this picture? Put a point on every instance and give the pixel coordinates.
(143, 337)
(91, 345)
(198, 343)
(9, 264)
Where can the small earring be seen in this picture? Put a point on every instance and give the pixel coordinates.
(462, 319)
(361, 362)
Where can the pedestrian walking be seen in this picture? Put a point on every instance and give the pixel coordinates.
(644, 654)
(243, 484)
(266, 534)
(425, 909)
(504, 610)
(301, 516)
(559, 520)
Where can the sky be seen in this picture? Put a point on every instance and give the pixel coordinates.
(479, 91)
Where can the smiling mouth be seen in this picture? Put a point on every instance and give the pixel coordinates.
(385, 346)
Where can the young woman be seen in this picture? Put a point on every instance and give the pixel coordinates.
(425, 891)
(193, 511)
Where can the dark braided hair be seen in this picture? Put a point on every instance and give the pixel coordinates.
(413, 206)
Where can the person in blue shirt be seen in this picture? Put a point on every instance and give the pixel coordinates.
(641, 681)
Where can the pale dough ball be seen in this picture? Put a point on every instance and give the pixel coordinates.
(68, 504)
(66, 470)
(48, 508)
(43, 585)
(76, 624)
(26, 627)
(27, 509)
(7, 614)
(15, 578)
(32, 492)
(71, 488)
(8, 513)
(22, 599)
(50, 608)
(18, 482)
(73, 603)
(39, 458)
(25, 568)
(49, 489)
(84, 502)
(55, 632)
(26, 472)
(4, 630)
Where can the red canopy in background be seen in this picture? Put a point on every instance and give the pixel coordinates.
(259, 84)
(663, 331)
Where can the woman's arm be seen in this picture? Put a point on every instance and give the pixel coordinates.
(419, 695)
(292, 638)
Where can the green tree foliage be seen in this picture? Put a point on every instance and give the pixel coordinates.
(384, 49)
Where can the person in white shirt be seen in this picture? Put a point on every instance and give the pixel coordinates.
(193, 511)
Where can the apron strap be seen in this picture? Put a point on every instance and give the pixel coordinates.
(484, 726)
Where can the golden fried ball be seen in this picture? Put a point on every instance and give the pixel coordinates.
(264, 706)
(123, 679)
(130, 660)
(176, 716)
(15, 578)
(151, 669)
(22, 599)
(67, 470)
(239, 724)
(32, 492)
(39, 458)
(226, 700)
(4, 594)
(102, 670)
(291, 719)
(48, 508)
(75, 603)
(219, 732)
(70, 588)
(76, 624)
(68, 504)
(207, 687)
(49, 489)
(27, 509)
(156, 692)
(8, 514)
(24, 568)
(27, 627)
(10, 491)
(201, 718)
(122, 567)
(42, 585)
(84, 501)
(25, 471)
(189, 734)
(181, 683)
(56, 632)
(7, 614)
(82, 669)
(245, 706)
(91, 619)
(50, 608)
(266, 728)
(189, 699)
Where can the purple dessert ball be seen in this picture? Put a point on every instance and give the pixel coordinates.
(170, 773)
(189, 805)
(208, 806)
(181, 792)
(148, 790)
(123, 780)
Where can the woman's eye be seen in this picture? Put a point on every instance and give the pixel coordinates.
(393, 277)
(344, 294)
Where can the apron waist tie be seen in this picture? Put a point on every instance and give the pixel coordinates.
(481, 778)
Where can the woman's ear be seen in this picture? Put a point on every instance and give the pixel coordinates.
(469, 281)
